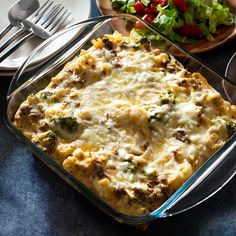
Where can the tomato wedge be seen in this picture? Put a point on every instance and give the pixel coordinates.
(139, 25)
(139, 8)
(149, 17)
(190, 30)
(162, 2)
(152, 8)
(181, 4)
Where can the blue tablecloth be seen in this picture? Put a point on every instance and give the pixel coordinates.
(35, 201)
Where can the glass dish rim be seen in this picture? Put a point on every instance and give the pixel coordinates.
(159, 212)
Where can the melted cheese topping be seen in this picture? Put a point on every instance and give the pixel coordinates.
(128, 122)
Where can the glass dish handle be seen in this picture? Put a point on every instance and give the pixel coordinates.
(207, 181)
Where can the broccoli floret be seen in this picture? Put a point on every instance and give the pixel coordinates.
(49, 142)
(231, 126)
(167, 98)
(158, 115)
(155, 117)
(48, 96)
(131, 168)
(117, 4)
(69, 124)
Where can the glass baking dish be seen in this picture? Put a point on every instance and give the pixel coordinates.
(209, 179)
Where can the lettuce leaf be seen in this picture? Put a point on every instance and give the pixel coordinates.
(130, 7)
(118, 4)
(145, 2)
(207, 14)
(126, 6)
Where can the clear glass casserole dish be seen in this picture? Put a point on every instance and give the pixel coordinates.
(31, 78)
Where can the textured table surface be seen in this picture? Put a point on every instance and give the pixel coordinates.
(35, 201)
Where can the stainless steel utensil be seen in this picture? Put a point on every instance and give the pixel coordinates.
(18, 13)
(43, 23)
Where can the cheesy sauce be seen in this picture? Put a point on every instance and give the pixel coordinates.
(128, 122)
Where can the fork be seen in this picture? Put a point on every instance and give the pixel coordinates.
(18, 12)
(43, 23)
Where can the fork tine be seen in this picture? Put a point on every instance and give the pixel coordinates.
(56, 25)
(58, 19)
(50, 14)
(43, 23)
(35, 17)
(38, 10)
(54, 17)
(43, 11)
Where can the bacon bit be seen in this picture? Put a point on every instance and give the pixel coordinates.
(152, 183)
(140, 194)
(177, 156)
(195, 83)
(155, 196)
(119, 192)
(182, 136)
(43, 125)
(99, 170)
(77, 104)
(25, 109)
(201, 117)
(172, 68)
(107, 43)
(123, 44)
(183, 83)
(115, 62)
(35, 116)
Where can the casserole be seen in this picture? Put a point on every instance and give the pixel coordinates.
(28, 80)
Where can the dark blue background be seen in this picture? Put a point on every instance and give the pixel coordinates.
(35, 201)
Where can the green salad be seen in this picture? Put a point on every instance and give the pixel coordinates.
(183, 21)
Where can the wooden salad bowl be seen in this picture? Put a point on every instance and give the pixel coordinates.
(222, 35)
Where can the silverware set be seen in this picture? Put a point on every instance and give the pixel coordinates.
(32, 20)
